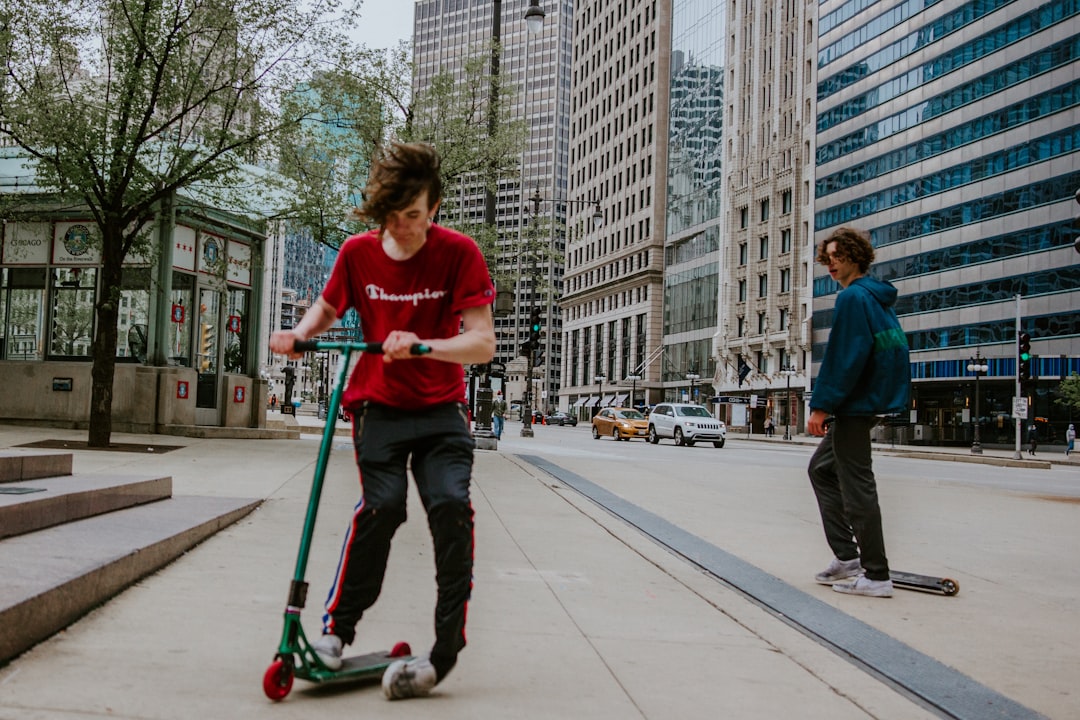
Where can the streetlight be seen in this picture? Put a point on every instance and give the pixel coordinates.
(787, 371)
(692, 377)
(633, 387)
(978, 366)
(599, 380)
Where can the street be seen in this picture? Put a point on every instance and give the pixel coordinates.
(1007, 535)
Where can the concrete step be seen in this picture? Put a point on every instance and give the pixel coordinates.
(17, 464)
(54, 576)
(57, 500)
(231, 433)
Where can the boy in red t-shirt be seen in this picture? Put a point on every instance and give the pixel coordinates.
(412, 282)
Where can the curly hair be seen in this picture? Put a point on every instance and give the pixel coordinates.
(851, 244)
(399, 173)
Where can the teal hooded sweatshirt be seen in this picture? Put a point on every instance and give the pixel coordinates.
(866, 369)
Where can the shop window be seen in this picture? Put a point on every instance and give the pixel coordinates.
(236, 331)
(22, 308)
(182, 317)
(133, 319)
(71, 333)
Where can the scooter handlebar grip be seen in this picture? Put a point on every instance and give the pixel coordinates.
(305, 346)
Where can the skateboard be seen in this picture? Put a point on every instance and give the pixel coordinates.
(929, 583)
(295, 657)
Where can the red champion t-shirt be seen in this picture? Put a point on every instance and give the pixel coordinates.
(424, 294)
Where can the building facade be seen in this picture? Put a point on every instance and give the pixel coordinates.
(950, 132)
(762, 337)
(613, 289)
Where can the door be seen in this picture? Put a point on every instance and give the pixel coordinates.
(208, 358)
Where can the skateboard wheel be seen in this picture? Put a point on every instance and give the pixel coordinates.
(949, 586)
(278, 680)
(402, 649)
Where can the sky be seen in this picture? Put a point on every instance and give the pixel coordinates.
(384, 22)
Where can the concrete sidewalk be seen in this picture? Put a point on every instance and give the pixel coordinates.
(574, 613)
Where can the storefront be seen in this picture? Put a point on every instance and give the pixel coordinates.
(188, 322)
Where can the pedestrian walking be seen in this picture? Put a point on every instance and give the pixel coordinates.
(498, 415)
(769, 427)
(1070, 439)
(412, 282)
(1033, 438)
(864, 374)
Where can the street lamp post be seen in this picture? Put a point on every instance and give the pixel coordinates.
(692, 377)
(978, 366)
(599, 380)
(633, 387)
(787, 371)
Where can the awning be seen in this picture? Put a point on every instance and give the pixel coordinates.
(591, 401)
(620, 400)
(607, 400)
(580, 401)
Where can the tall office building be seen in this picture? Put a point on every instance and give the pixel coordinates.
(613, 287)
(950, 131)
(531, 236)
(763, 334)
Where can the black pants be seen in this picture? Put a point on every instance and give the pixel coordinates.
(843, 480)
(440, 446)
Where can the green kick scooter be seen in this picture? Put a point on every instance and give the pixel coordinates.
(295, 657)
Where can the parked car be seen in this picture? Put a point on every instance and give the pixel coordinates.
(561, 418)
(686, 424)
(619, 423)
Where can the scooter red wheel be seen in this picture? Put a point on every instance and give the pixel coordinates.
(402, 649)
(278, 680)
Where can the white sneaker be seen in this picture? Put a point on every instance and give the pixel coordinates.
(839, 570)
(863, 585)
(328, 650)
(409, 678)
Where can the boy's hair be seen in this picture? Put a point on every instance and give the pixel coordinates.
(400, 173)
(851, 244)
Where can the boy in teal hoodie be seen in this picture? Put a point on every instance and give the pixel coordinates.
(864, 375)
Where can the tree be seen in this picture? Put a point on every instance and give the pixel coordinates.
(120, 104)
(1069, 392)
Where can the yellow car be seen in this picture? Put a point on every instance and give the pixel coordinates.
(619, 423)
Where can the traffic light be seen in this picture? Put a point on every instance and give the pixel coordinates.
(1023, 356)
(206, 346)
(534, 328)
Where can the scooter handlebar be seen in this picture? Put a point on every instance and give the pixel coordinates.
(301, 346)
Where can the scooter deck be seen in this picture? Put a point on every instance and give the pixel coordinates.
(356, 668)
(928, 583)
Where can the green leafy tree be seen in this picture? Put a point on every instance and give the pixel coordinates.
(119, 104)
(1069, 392)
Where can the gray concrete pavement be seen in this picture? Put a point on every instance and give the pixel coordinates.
(574, 613)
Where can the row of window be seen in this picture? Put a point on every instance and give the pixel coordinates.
(763, 285)
(867, 32)
(763, 247)
(49, 314)
(991, 83)
(1052, 101)
(1044, 282)
(952, 59)
(1017, 157)
(623, 298)
(783, 322)
(1055, 325)
(690, 299)
(979, 210)
(998, 247)
(624, 354)
(916, 40)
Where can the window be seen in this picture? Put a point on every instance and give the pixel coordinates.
(22, 310)
(743, 217)
(785, 202)
(764, 209)
(72, 330)
(763, 247)
(762, 325)
(785, 241)
(785, 319)
(763, 285)
(742, 290)
(742, 253)
(762, 362)
(741, 326)
(785, 280)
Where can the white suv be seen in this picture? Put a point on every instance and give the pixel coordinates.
(687, 424)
